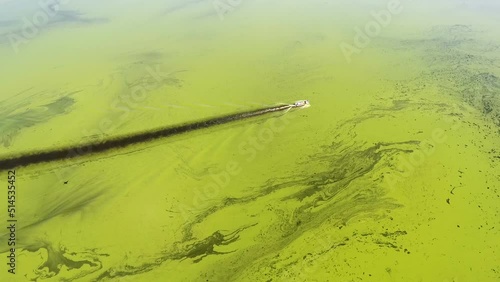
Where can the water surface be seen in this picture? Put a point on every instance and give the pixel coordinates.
(391, 175)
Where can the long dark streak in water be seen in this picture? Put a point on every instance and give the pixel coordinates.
(123, 141)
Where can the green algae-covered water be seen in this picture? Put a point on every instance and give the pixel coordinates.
(392, 174)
